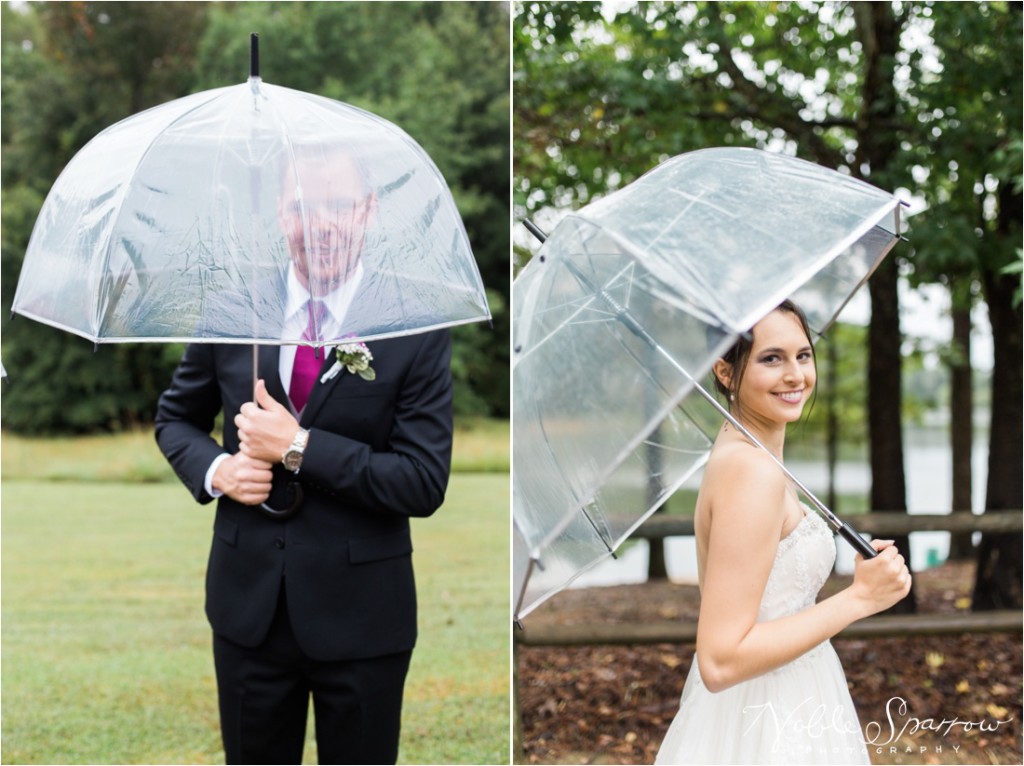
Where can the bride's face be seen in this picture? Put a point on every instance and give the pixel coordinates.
(780, 372)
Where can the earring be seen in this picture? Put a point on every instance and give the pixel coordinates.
(732, 397)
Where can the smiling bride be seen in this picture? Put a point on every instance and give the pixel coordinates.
(766, 685)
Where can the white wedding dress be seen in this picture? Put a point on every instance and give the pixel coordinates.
(798, 713)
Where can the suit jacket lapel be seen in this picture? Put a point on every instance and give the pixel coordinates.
(320, 390)
(318, 395)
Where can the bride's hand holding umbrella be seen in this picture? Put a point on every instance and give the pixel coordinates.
(882, 581)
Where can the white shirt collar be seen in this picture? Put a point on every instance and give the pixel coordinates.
(338, 303)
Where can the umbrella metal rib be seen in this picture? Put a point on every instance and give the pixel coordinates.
(583, 508)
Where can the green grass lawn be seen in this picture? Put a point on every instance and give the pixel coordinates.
(106, 651)
(480, 446)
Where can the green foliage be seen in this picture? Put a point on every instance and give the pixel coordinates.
(473, 362)
(599, 101)
(846, 347)
(440, 71)
(967, 146)
(844, 390)
(69, 70)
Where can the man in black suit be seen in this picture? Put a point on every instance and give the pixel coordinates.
(321, 602)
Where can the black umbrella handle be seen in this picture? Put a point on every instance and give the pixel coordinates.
(862, 546)
(295, 490)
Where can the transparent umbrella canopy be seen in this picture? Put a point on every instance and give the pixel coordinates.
(624, 310)
(180, 223)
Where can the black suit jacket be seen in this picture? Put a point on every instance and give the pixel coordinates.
(379, 452)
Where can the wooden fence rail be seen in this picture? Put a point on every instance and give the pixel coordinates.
(663, 632)
(878, 524)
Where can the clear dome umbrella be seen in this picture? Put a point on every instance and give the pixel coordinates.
(622, 313)
(181, 223)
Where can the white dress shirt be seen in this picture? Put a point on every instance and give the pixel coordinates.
(296, 319)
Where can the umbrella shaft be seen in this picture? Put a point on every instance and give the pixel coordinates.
(830, 517)
(844, 530)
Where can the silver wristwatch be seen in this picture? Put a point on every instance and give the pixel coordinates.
(292, 459)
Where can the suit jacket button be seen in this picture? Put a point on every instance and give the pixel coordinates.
(278, 542)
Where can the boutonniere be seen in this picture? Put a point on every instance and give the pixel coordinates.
(354, 357)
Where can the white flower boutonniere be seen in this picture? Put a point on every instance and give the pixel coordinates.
(354, 357)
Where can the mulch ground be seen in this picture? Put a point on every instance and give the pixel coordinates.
(611, 704)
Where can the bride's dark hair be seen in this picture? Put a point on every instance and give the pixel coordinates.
(739, 354)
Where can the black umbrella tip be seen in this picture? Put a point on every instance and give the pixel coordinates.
(254, 54)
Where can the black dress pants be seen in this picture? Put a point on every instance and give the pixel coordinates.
(264, 696)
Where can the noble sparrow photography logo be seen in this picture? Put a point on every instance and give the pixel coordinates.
(887, 736)
(806, 720)
(899, 733)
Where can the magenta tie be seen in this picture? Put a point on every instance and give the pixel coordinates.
(307, 365)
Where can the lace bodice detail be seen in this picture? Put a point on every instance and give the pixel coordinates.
(800, 712)
(803, 562)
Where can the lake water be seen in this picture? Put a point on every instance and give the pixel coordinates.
(928, 470)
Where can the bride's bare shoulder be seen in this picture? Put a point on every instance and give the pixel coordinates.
(739, 475)
(734, 458)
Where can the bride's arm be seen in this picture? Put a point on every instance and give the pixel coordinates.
(747, 515)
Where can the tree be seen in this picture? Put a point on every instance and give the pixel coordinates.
(69, 70)
(971, 234)
(599, 100)
(961, 424)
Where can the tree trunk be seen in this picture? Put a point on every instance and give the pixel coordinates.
(831, 425)
(657, 567)
(998, 582)
(961, 426)
(885, 381)
(879, 33)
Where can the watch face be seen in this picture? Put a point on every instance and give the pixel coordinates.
(292, 460)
